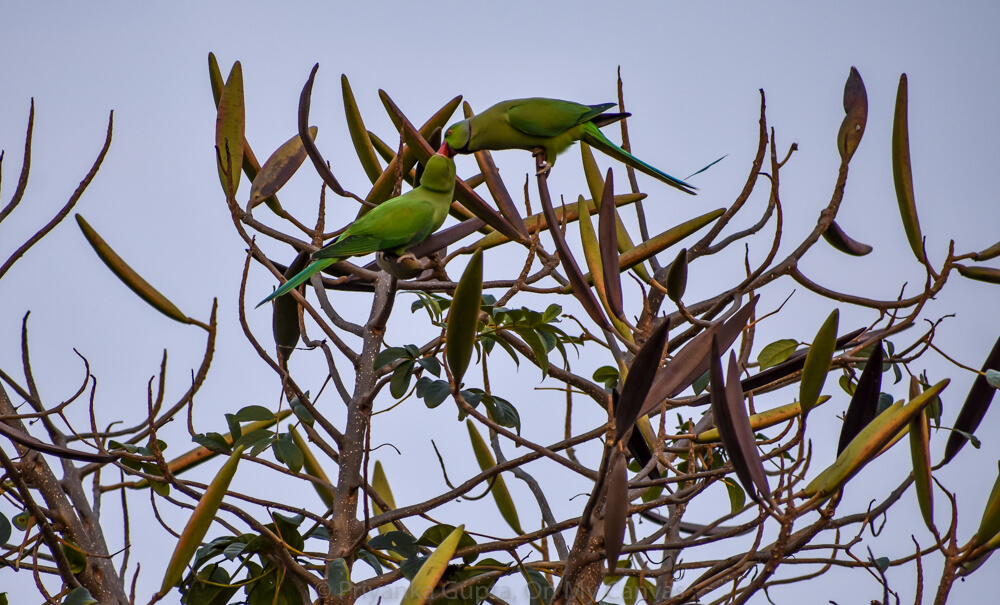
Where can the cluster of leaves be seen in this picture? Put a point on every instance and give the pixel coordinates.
(209, 582)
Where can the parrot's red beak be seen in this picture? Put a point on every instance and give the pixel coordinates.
(445, 150)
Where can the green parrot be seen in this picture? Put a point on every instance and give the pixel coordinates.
(393, 225)
(549, 125)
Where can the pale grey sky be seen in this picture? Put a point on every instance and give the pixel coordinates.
(692, 73)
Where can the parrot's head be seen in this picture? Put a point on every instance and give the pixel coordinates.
(439, 174)
(457, 136)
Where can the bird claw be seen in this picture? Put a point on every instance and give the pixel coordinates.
(541, 160)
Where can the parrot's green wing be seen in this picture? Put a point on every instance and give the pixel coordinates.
(391, 226)
(551, 117)
(595, 138)
(397, 223)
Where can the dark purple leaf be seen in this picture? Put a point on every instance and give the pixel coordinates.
(581, 289)
(734, 424)
(317, 158)
(974, 408)
(864, 403)
(607, 232)
(615, 508)
(693, 360)
(744, 432)
(839, 239)
(640, 378)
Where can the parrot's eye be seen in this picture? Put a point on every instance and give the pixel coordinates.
(448, 134)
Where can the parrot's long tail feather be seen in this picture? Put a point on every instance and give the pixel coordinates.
(609, 118)
(300, 278)
(595, 138)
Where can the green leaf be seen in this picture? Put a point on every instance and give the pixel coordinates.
(531, 338)
(902, 172)
(490, 340)
(301, 412)
(199, 522)
(254, 413)
(234, 550)
(268, 591)
(434, 305)
(210, 587)
(212, 441)
(160, 488)
(700, 384)
(20, 520)
(253, 438)
(884, 402)
(400, 382)
(380, 483)
(5, 529)
(504, 502)
(540, 592)
(234, 426)
(211, 550)
(412, 565)
(433, 392)
(287, 528)
(79, 596)
(817, 363)
(846, 384)
(607, 375)
(338, 577)
(437, 534)
(548, 339)
(230, 124)
(431, 364)
(398, 542)
(920, 454)
(502, 412)
(430, 572)
(390, 355)
(128, 276)
(737, 497)
(288, 453)
(677, 276)
(464, 317)
(776, 352)
(631, 590)
(320, 533)
(882, 563)
(371, 560)
(77, 560)
(993, 378)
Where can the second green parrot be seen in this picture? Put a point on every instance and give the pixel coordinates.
(393, 225)
(548, 124)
